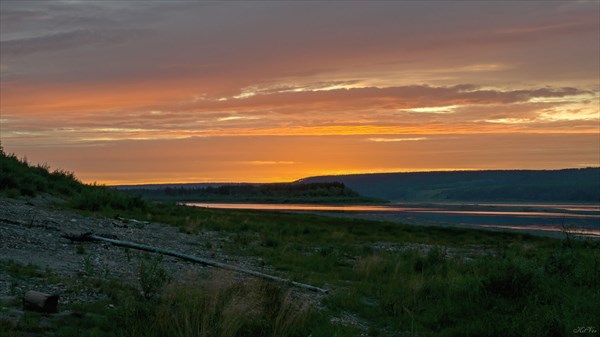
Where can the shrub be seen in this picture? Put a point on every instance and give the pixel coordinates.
(222, 306)
(19, 178)
(152, 276)
(510, 278)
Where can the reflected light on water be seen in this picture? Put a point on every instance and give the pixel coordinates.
(541, 215)
(308, 207)
(376, 208)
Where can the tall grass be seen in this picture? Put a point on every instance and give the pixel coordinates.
(513, 294)
(222, 306)
(19, 178)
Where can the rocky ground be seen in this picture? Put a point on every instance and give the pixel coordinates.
(31, 233)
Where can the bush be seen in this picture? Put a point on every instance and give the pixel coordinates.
(561, 263)
(510, 278)
(222, 306)
(19, 178)
(98, 198)
(152, 276)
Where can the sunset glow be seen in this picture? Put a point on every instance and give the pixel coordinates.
(130, 92)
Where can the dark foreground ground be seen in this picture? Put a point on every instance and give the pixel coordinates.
(385, 279)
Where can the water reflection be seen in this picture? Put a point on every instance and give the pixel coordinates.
(539, 218)
(309, 207)
(533, 212)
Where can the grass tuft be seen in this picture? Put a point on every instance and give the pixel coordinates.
(227, 307)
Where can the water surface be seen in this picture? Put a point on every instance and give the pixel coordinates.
(553, 219)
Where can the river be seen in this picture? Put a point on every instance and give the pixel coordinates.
(534, 218)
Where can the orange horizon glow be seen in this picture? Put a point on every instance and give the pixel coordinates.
(269, 181)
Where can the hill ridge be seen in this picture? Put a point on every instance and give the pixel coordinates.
(571, 184)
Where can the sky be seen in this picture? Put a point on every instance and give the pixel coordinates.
(131, 92)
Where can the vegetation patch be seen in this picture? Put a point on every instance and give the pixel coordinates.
(330, 192)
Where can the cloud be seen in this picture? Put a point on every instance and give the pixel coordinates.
(235, 118)
(394, 111)
(62, 41)
(373, 98)
(268, 162)
(385, 140)
(242, 48)
(9, 15)
(289, 68)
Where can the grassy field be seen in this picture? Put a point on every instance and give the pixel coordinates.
(385, 279)
(413, 280)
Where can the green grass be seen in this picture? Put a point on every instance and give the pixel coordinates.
(18, 270)
(505, 285)
(18, 178)
(524, 286)
(386, 279)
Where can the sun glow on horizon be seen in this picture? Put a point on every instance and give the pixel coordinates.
(266, 180)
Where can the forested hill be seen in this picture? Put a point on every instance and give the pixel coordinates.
(273, 192)
(574, 185)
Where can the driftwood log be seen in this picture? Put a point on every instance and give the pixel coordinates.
(207, 262)
(41, 302)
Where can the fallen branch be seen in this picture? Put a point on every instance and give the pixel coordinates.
(206, 262)
(133, 220)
